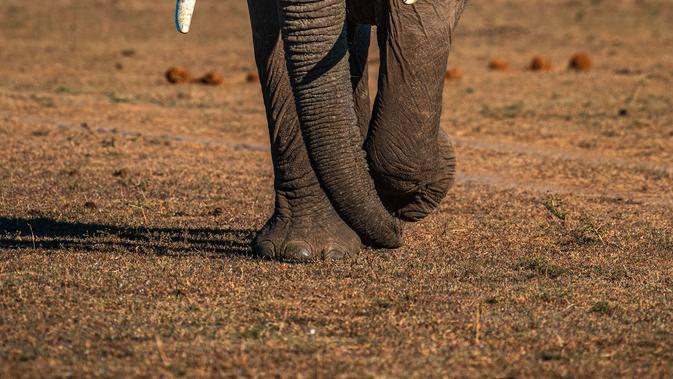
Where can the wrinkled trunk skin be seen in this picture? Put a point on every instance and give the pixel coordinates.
(411, 161)
(314, 36)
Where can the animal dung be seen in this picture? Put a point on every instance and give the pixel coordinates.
(580, 62)
(539, 63)
(252, 77)
(453, 73)
(498, 64)
(212, 78)
(177, 75)
(128, 53)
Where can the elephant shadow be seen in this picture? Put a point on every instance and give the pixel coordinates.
(43, 233)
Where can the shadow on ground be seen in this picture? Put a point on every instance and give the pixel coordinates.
(48, 234)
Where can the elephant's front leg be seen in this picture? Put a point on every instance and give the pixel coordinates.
(304, 225)
(411, 159)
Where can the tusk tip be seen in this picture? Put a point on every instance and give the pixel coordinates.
(184, 9)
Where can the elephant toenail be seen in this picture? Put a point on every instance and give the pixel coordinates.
(334, 253)
(297, 252)
(265, 249)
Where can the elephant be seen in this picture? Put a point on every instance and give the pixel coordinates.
(348, 172)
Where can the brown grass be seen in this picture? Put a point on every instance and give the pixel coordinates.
(127, 206)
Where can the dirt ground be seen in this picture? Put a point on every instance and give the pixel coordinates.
(127, 206)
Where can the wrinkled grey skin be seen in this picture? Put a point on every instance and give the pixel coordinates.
(345, 174)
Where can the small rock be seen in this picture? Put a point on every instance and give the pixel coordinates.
(623, 112)
(90, 205)
(217, 211)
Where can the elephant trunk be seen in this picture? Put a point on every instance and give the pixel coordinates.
(314, 36)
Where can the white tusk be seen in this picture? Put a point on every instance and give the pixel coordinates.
(409, 2)
(184, 9)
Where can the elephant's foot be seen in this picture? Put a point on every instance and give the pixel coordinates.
(304, 233)
(412, 199)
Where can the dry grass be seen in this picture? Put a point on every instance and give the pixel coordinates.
(127, 206)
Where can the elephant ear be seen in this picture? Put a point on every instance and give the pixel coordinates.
(184, 9)
(456, 12)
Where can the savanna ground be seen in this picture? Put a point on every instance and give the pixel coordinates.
(127, 206)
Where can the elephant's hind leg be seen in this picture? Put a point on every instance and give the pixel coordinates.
(359, 36)
(304, 225)
(411, 159)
